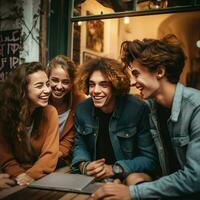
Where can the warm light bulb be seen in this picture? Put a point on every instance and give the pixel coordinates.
(126, 20)
(79, 23)
(198, 43)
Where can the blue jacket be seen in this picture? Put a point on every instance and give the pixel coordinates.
(128, 130)
(184, 130)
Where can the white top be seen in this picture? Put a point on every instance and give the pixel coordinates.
(62, 118)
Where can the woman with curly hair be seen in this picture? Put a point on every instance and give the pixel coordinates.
(28, 125)
(64, 98)
(112, 130)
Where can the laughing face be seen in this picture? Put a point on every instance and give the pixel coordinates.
(38, 89)
(101, 92)
(144, 80)
(60, 83)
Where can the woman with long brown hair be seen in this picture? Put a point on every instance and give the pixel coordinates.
(28, 125)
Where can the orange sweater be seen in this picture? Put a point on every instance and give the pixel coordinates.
(45, 147)
(67, 139)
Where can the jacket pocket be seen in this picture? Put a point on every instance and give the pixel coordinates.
(127, 140)
(181, 141)
(86, 131)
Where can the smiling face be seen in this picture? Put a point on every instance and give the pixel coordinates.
(101, 92)
(60, 82)
(147, 82)
(38, 89)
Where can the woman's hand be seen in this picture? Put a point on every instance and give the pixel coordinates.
(24, 179)
(6, 181)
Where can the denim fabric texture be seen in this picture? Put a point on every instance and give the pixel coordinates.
(184, 129)
(129, 133)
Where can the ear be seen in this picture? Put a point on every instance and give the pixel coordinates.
(160, 73)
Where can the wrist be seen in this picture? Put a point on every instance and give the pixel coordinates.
(118, 171)
(83, 166)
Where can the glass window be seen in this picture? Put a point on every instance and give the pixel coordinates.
(100, 7)
(95, 38)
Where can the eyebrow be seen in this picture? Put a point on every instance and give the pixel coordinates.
(40, 83)
(91, 81)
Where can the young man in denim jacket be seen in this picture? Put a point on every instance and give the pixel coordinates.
(113, 138)
(154, 67)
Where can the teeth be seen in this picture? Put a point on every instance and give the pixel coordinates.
(98, 98)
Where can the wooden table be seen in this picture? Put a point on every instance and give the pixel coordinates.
(25, 193)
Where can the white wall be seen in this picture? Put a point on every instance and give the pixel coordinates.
(30, 7)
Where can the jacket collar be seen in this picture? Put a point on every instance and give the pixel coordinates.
(176, 105)
(116, 112)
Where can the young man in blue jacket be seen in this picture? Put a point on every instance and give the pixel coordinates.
(113, 138)
(154, 67)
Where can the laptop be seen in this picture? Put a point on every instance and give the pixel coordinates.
(66, 182)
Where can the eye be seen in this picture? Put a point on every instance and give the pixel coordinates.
(91, 84)
(66, 82)
(39, 86)
(55, 80)
(104, 84)
(135, 73)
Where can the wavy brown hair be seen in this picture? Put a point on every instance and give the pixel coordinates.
(112, 69)
(153, 53)
(14, 103)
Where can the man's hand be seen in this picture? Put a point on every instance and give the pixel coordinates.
(108, 172)
(96, 168)
(24, 179)
(112, 191)
(5, 181)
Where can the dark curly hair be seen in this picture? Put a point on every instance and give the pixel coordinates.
(153, 53)
(14, 103)
(111, 68)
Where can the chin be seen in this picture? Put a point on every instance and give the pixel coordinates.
(43, 104)
(97, 105)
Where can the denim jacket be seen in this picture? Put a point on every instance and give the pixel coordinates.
(129, 134)
(184, 130)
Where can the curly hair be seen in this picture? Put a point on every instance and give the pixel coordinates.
(112, 69)
(14, 103)
(153, 53)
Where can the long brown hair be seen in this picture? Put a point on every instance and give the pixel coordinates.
(14, 103)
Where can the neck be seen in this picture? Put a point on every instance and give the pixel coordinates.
(166, 94)
(60, 105)
(109, 108)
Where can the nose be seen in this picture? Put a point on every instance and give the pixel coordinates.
(59, 85)
(96, 89)
(47, 89)
(132, 81)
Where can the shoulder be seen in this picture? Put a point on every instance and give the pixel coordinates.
(50, 110)
(134, 101)
(132, 105)
(78, 97)
(191, 95)
(85, 105)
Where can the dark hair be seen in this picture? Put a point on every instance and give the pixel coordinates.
(153, 53)
(14, 103)
(111, 68)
